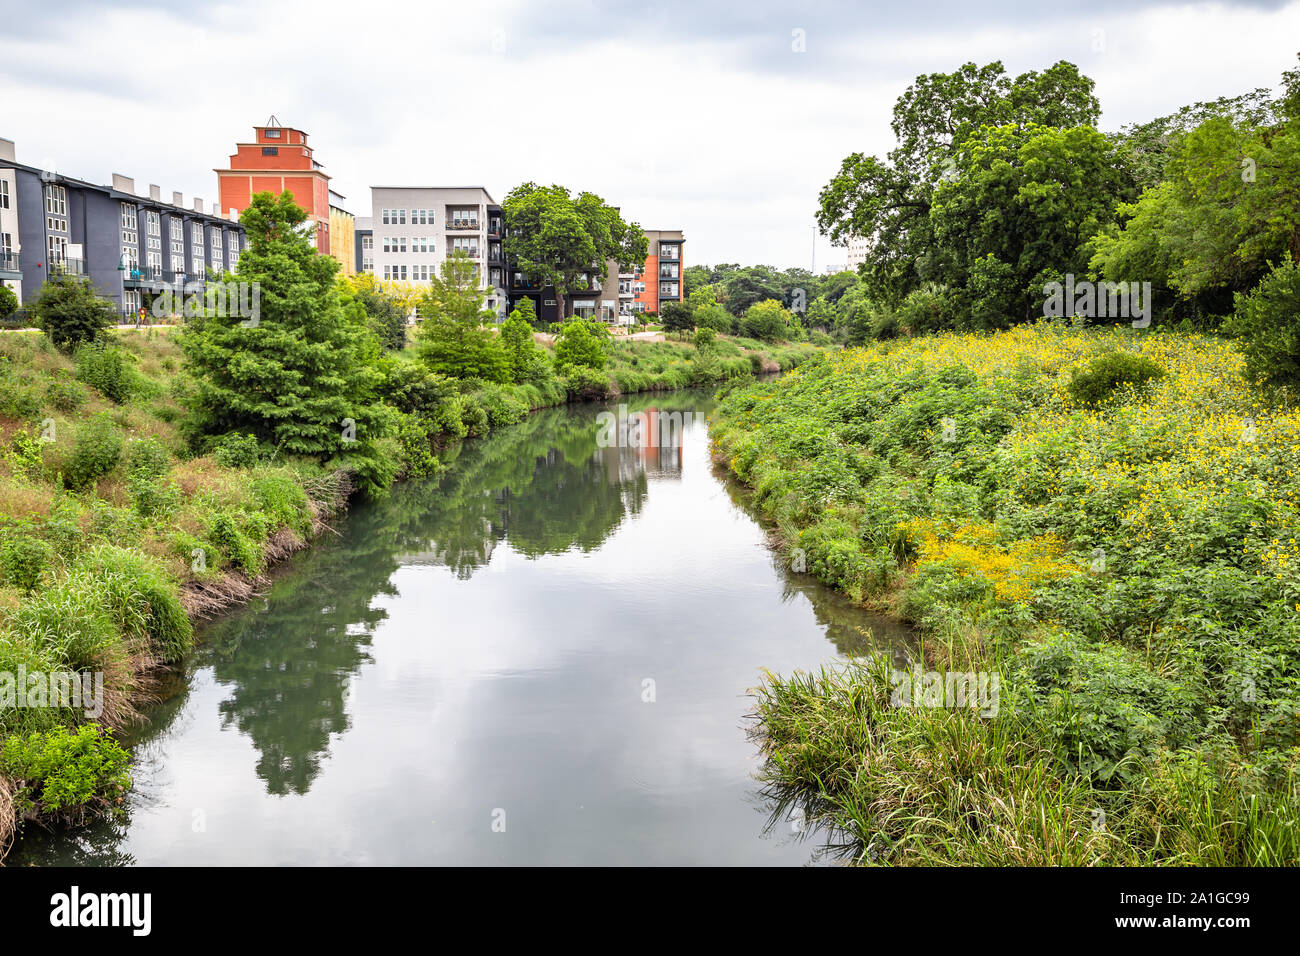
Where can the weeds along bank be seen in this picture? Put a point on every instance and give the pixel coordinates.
(1104, 522)
(115, 534)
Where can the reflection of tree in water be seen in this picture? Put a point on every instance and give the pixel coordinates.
(287, 662)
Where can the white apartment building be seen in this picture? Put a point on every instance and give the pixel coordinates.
(414, 229)
(10, 274)
(857, 252)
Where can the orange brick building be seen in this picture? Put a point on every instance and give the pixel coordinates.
(278, 159)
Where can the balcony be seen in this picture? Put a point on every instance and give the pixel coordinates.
(494, 228)
(9, 265)
(66, 267)
(134, 277)
(462, 225)
(473, 252)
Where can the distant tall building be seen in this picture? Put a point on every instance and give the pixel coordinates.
(857, 253)
(278, 159)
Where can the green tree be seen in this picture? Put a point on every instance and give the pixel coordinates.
(452, 339)
(768, 320)
(298, 374)
(889, 200)
(565, 241)
(581, 343)
(1025, 201)
(526, 309)
(522, 352)
(69, 312)
(385, 315)
(8, 302)
(676, 317)
(1268, 320)
(1227, 209)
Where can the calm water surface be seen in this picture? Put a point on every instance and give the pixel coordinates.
(541, 657)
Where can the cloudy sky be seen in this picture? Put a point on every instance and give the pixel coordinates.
(703, 115)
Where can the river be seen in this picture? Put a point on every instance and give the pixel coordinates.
(540, 657)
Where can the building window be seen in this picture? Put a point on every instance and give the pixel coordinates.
(4, 194)
(57, 249)
(668, 289)
(130, 301)
(56, 200)
(401, 217)
(367, 243)
(270, 150)
(130, 236)
(272, 133)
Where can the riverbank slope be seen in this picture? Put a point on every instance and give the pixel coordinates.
(1096, 532)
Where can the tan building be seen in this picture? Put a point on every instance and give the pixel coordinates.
(343, 231)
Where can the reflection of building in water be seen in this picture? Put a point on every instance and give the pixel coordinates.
(648, 441)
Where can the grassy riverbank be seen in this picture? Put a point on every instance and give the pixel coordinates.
(1103, 521)
(116, 532)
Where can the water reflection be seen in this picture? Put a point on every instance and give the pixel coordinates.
(529, 665)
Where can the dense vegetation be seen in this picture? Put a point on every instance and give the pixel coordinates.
(150, 478)
(1108, 520)
(1102, 517)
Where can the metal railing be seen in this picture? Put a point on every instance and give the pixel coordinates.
(66, 267)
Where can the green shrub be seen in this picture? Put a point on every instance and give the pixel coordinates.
(8, 302)
(70, 774)
(64, 395)
(1268, 320)
(284, 501)
(231, 541)
(69, 312)
(584, 384)
(24, 560)
(502, 407)
(235, 450)
(1106, 373)
(147, 457)
(104, 367)
(96, 450)
(418, 460)
(411, 388)
(580, 344)
(1101, 707)
(141, 599)
(68, 623)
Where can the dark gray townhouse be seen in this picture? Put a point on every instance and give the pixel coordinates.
(128, 244)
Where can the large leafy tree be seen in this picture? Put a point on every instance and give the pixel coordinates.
(298, 374)
(565, 241)
(1227, 208)
(1024, 203)
(887, 201)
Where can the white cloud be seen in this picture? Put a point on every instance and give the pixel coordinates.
(702, 119)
